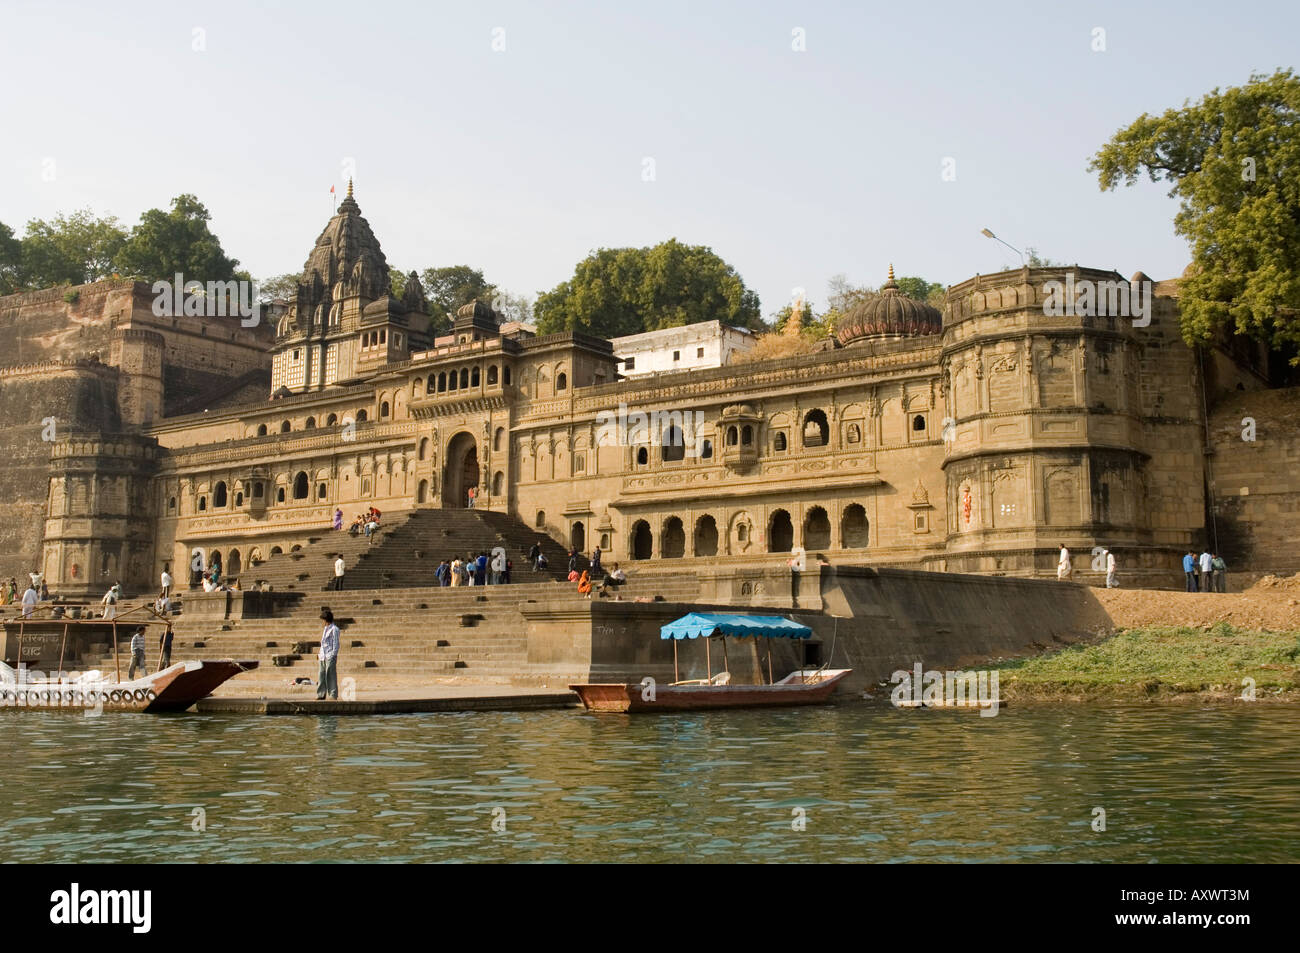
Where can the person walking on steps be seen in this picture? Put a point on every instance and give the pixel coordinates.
(339, 568)
(328, 680)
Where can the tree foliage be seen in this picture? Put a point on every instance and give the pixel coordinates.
(278, 286)
(70, 249)
(618, 291)
(450, 287)
(11, 261)
(1233, 159)
(178, 241)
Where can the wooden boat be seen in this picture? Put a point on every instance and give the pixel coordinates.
(175, 688)
(805, 687)
(800, 687)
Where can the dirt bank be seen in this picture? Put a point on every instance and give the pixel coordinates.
(1272, 603)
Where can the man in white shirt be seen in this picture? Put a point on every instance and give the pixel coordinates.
(30, 598)
(1207, 569)
(1110, 571)
(339, 568)
(110, 602)
(498, 566)
(1064, 569)
(166, 583)
(328, 679)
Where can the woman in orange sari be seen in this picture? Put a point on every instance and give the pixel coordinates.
(584, 583)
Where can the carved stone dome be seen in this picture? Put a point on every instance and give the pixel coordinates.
(476, 309)
(889, 314)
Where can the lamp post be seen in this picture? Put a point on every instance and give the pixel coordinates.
(987, 234)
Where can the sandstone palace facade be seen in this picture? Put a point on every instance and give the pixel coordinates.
(972, 440)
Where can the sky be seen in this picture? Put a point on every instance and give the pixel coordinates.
(799, 140)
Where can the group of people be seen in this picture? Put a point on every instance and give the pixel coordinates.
(480, 570)
(9, 590)
(1213, 574)
(1205, 573)
(366, 522)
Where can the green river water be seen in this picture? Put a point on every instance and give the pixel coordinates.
(850, 782)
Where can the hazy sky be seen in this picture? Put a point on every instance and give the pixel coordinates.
(793, 165)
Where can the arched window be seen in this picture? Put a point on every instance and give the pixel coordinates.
(311, 423)
(642, 456)
(853, 527)
(219, 494)
(746, 435)
(261, 430)
(464, 377)
(300, 486)
(778, 443)
(432, 385)
(257, 490)
(492, 375)
(816, 529)
(498, 483)
(706, 536)
(733, 436)
(706, 450)
(276, 550)
(540, 522)
(203, 503)
(332, 420)
(578, 536)
(361, 416)
(672, 543)
(816, 432)
(561, 381)
(279, 494)
(473, 377)
(780, 533)
(673, 446)
(918, 422)
(284, 426)
(424, 448)
(320, 492)
(171, 504)
(239, 499)
(854, 434)
(498, 439)
(417, 387)
(383, 410)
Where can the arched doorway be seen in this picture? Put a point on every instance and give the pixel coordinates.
(579, 538)
(816, 529)
(234, 563)
(672, 543)
(706, 536)
(780, 533)
(642, 540)
(461, 470)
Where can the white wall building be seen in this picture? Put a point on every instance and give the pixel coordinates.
(690, 347)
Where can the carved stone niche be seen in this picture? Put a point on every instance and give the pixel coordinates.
(737, 431)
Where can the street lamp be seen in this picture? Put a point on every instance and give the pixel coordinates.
(987, 234)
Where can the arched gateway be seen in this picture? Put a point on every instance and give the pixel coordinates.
(461, 470)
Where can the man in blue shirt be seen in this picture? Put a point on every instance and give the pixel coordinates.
(328, 680)
(1189, 567)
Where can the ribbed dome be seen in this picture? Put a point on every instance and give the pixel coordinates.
(476, 309)
(889, 314)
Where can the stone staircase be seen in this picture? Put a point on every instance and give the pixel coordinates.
(405, 552)
(395, 636)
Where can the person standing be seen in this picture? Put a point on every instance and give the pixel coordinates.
(470, 494)
(166, 582)
(338, 517)
(137, 655)
(328, 680)
(1064, 569)
(1111, 582)
(498, 567)
(1189, 568)
(109, 602)
(595, 562)
(534, 551)
(339, 568)
(165, 643)
(481, 569)
(440, 574)
(510, 565)
(573, 561)
(456, 566)
(1207, 568)
(1220, 573)
(30, 599)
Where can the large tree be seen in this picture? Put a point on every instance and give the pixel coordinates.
(618, 291)
(450, 287)
(70, 249)
(1234, 161)
(178, 241)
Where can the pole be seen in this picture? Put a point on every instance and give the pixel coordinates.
(19, 663)
(676, 677)
(708, 662)
(117, 664)
(769, 662)
(725, 664)
(61, 648)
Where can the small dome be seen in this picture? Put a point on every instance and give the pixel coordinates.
(476, 309)
(889, 314)
(387, 305)
(1138, 278)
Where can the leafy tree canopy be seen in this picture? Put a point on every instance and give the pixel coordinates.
(11, 260)
(1233, 159)
(70, 249)
(450, 287)
(618, 291)
(177, 241)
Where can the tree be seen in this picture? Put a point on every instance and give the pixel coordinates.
(618, 291)
(1234, 161)
(177, 242)
(11, 260)
(279, 286)
(70, 249)
(450, 287)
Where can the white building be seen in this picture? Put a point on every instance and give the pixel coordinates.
(690, 347)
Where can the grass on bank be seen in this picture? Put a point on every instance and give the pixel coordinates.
(1162, 659)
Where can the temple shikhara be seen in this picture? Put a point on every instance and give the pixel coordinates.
(975, 439)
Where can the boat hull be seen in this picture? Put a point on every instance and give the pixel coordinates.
(173, 689)
(633, 698)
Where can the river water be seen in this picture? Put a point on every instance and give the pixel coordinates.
(850, 782)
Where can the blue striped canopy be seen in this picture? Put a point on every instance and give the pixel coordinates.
(706, 624)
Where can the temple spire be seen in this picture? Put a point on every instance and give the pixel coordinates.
(350, 196)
